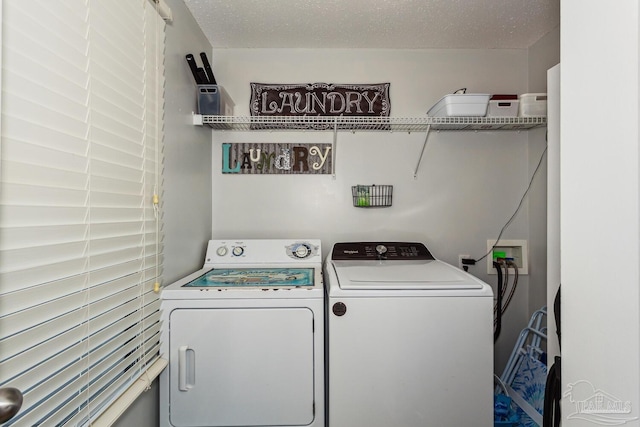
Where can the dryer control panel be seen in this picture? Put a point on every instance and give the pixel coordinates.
(263, 251)
(400, 251)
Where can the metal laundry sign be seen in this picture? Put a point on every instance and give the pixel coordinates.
(320, 99)
(274, 158)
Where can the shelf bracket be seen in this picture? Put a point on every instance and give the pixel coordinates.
(424, 145)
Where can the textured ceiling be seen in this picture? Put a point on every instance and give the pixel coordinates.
(394, 24)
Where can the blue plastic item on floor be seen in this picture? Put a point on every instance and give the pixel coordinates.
(524, 377)
(529, 383)
(503, 413)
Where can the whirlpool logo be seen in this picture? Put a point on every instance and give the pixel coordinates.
(597, 406)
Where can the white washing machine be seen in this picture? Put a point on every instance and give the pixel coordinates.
(245, 338)
(410, 339)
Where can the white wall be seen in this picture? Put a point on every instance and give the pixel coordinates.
(467, 187)
(544, 54)
(600, 215)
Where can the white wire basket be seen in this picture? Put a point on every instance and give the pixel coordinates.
(372, 196)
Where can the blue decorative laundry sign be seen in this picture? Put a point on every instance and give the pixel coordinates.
(275, 158)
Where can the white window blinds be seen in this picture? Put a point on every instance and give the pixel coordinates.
(80, 235)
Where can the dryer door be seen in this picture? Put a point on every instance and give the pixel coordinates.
(241, 367)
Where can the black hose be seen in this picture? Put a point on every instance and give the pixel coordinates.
(496, 332)
(505, 287)
(513, 287)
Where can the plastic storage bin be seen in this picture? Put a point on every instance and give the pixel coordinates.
(461, 105)
(533, 104)
(213, 100)
(503, 106)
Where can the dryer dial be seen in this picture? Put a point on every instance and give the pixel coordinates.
(222, 251)
(381, 249)
(237, 250)
(302, 251)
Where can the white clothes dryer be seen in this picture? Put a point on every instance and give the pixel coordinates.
(245, 338)
(410, 339)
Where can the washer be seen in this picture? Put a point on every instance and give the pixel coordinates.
(245, 337)
(410, 339)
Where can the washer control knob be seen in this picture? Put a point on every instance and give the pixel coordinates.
(302, 251)
(339, 309)
(222, 251)
(237, 250)
(381, 249)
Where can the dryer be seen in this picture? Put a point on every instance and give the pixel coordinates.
(245, 338)
(409, 339)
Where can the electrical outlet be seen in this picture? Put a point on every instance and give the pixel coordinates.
(460, 258)
(514, 249)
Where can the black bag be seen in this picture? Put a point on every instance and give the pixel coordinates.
(553, 389)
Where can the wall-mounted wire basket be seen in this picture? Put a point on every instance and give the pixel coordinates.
(372, 196)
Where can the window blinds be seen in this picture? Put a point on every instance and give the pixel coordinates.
(80, 235)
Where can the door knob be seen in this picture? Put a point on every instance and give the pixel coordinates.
(10, 403)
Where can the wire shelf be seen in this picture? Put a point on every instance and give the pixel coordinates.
(372, 196)
(391, 124)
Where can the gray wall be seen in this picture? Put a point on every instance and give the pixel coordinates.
(187, 170)
(452, 206)
(468, 185)
(187, 178)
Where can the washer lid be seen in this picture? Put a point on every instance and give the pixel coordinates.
(390, 275)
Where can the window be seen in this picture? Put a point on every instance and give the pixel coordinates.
(80, 207)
